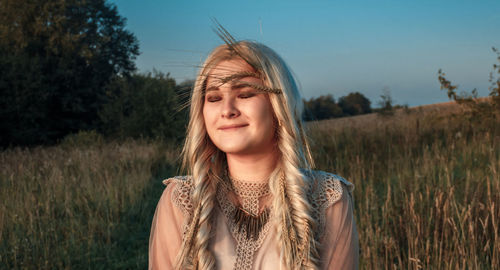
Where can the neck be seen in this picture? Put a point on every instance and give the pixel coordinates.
(252, 168)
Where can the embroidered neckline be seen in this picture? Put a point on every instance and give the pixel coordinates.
(247, 189)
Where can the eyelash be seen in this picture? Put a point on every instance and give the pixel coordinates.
(215, 98)
(246, 95)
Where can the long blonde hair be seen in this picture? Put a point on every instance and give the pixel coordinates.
(288, 185)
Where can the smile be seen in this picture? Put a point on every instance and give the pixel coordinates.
(232, 127)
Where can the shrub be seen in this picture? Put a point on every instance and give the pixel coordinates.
(144, 106)
(82, 139)
(478, 108)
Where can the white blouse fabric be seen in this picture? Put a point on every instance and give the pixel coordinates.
(331, 198)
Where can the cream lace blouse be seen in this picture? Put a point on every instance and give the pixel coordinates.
(330, 196)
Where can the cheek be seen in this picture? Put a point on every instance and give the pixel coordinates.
(208, 118)
(266, 117)
(207, 113)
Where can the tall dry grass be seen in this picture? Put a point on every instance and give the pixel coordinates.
(71, 207)
(427, 187)
(427, 194)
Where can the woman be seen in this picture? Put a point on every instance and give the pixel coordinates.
(251, 200)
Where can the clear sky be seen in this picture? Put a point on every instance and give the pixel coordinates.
(333, 47)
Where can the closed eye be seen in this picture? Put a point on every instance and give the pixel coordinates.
(213, 98)
(246, 95)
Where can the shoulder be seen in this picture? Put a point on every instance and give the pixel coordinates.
(170, 223)
(178, 191)
(327, 191)
(326, 188)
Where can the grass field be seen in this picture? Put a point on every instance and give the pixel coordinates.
(70, 207)
(427, 194)
(427, 187)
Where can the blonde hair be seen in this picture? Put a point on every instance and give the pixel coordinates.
(289, 186)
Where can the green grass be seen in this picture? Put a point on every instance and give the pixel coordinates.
(427, 194)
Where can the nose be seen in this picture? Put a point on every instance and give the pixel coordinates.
(229, 109)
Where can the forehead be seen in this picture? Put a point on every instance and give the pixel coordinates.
(226, 68)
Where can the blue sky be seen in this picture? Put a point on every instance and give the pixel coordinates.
(333, 47)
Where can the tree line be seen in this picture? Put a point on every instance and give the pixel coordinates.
(325, 106)
(68, 66)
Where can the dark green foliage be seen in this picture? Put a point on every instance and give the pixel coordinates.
(354, 104)
(183, 92)
(82, 139)
(323, 107)
(56, 57)
(144, 106)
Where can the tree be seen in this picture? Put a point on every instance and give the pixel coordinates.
(323, 107)
(183, 92)
(479, 108)
(144, 106)
(386, 103)
(56, 58)
(354, 104)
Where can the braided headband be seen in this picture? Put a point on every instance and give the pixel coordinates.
(233, 78)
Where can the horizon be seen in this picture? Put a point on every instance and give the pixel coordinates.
(333, 48)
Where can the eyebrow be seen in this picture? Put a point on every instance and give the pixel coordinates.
(239, 75)
(260, 87)
(212, 88)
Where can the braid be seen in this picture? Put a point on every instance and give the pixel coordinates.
(290, 188)
(195, 253)
(203, 257)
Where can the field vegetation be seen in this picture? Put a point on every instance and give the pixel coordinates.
(427, 186)
(84, 204)
(427, 193)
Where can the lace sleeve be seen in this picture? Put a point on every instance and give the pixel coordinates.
(339, 243)
(332, 202)
(181, 196)
(169, 223)
(326, 190)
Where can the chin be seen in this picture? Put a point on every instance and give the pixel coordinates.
(229, 145)
(233, 150)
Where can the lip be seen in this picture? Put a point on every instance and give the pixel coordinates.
(231, 127)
